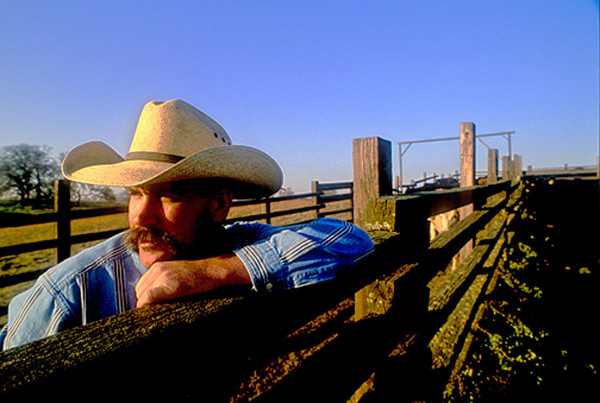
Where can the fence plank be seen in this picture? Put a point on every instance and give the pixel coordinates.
(62, 206)
(492, 164)
(392, 213)
(22, 220)
(468, 172)
(10, 279)
(335, 198)
(314, 188)
(95, 236)
(97, 212)
(467, 154)
(28, 247)
(273, 214)
(324, 187)
(335, 212)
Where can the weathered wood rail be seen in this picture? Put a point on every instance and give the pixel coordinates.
(332, 342)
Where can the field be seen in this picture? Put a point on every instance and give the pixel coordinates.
(42, 259)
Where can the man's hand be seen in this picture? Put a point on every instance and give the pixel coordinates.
(170, 280)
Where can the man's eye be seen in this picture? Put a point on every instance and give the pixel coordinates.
(134, 192)
(170, 199)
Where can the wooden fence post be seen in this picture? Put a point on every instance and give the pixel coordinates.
(314, 188)
(372, 166)
(62, 206)
(492, 165)
(467, 174)
(517, 166)
(467, 154)
(505, 167)
(268, 209)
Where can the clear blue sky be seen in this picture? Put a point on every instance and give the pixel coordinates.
(301, 79)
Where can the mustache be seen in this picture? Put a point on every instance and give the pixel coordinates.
(136, 235)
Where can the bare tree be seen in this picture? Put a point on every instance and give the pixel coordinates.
(86, 192)
(29, 171)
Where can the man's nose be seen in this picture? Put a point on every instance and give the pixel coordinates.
(147, 214)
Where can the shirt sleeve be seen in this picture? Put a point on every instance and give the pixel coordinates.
(35, 314)
(296, 256)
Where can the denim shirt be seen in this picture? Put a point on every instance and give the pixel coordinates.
(100, 281)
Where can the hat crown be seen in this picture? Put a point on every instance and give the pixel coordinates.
(174, 141)
(176, 128)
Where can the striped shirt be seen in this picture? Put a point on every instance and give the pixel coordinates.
(100, 281)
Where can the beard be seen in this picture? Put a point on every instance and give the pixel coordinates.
(206, 245)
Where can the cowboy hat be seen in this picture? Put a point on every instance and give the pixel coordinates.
(175, 141)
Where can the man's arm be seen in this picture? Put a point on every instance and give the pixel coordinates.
(301, 255)
(268, 258)
(175, 279)
(35, 314)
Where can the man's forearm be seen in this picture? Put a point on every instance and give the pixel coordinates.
(292, 257)
(279, 258)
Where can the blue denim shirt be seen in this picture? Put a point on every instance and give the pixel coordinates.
(100, 281)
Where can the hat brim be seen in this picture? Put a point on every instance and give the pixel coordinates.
(251, 172)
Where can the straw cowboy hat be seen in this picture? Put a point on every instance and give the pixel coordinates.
(175, 141)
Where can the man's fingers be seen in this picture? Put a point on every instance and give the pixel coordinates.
(152, 295)
(147, 287)
(148, 278)
(171, 280)
(160, 289)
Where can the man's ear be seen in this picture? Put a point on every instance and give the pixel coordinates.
(220, 204)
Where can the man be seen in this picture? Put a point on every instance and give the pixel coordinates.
(181, 172)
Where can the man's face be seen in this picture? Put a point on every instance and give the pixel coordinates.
(167, 219)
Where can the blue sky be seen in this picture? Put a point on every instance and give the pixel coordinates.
(301, 79)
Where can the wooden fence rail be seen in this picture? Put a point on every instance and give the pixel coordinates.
(332, 342)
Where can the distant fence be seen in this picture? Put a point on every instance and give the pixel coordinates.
(321, 196)
(566, 170)
(510, 170)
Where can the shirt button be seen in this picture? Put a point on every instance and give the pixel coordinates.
(269, 286)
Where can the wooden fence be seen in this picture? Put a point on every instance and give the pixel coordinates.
(566, 170)
(321, 196)
(395, 328)
(400, 311)
(332, 342)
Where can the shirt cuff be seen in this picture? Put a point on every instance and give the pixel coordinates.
(261, 261)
